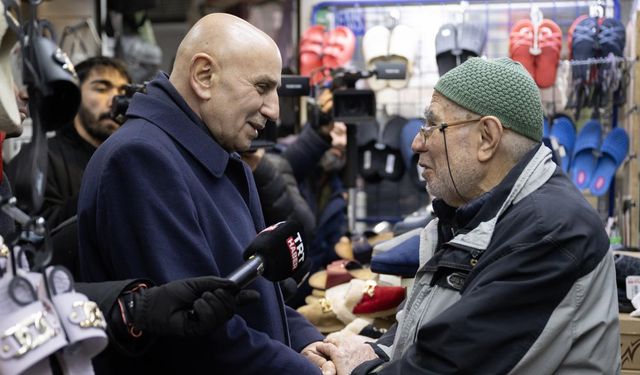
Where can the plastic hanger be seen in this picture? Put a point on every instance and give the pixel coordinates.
(536, 20)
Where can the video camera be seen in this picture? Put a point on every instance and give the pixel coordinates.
(351, 105)
(120, 103)
(291, 86)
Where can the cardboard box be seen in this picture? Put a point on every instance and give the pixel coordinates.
(630, 342)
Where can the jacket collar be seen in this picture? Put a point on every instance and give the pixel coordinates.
(164, 107)
(479, 217)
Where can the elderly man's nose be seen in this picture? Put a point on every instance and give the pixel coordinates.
(418, 144)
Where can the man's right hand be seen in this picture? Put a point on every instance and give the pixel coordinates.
(189, 307)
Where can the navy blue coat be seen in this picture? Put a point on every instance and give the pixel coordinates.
(160, 199)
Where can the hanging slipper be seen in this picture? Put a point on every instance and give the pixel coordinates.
(520, 42)
(583, 46)
(563, 138)
(613, 152)
(392, 166)
(409, 132)
(339, 46)
(375, 46)
(584, 153)
(472, 38)
(446, 44)
(550, 44)
(612, 37)
(403, 43)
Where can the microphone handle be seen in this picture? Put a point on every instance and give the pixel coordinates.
(248, 272)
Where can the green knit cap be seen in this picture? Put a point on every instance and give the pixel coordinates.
(499, 87)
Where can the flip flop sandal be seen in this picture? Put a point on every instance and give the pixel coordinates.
(520, 41)
(403, 43)
(339, 272)
(82, 321)
(30, 330)
(550, 44)
(375, 47)
(339, 47)
(584, 158)
(613, 152)
(320, 313)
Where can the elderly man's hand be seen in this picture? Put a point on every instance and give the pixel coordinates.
(326, 366)
(346, 352)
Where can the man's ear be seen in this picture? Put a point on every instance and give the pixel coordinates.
(491, 131)
(202, 75)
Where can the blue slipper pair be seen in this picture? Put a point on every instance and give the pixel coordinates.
(400, 255)
(590, 171)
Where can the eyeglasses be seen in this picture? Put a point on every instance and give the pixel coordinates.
(427, 130)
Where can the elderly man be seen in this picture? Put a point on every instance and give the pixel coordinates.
(167, 197)
(515, 275)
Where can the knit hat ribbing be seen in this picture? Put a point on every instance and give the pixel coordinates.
(499, 87)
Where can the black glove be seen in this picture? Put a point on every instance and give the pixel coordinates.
(189, 307)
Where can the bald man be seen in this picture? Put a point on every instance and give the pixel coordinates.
(167, 197)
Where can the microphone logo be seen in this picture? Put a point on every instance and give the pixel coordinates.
(296, 249)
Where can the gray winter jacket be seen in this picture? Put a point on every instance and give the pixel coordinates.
(518, 281)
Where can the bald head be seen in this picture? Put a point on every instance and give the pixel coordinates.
(228, 71)
(222, 36)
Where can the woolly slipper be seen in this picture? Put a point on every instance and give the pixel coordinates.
(584, 158)
(403, 42)
(613, 152)
(375, 46)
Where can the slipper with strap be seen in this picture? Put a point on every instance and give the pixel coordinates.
(584, 157)
(612, 37)
(613, 152)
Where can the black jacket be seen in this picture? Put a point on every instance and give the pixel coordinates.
(68, 156)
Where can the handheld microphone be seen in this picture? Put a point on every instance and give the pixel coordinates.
(276, 253)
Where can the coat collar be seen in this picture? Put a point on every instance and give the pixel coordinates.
(165, 108)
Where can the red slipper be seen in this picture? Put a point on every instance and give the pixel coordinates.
(311, 46)
(520, 41)
(339, 47)
(546, 63)
(379, 300)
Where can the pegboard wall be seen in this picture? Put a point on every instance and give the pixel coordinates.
(426, 18)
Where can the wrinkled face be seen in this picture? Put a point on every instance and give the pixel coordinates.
(98, 90)
(460, 148)
(244, 96)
